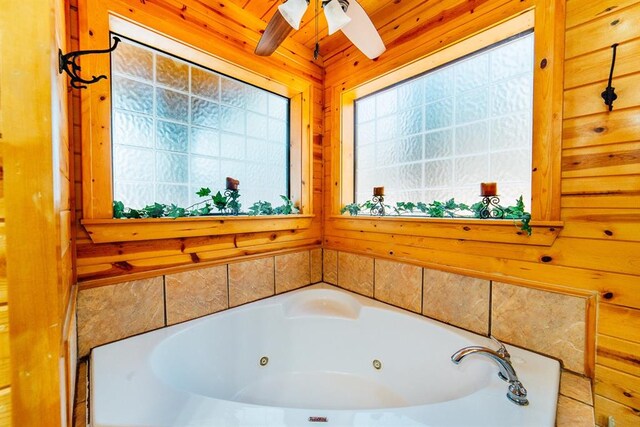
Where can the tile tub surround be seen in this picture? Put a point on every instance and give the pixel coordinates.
(315, 258)
(113, 312)
(355, 273)
(195, 293)
(462, 301)
(292, 271)
(330, 266)
(398, 284)
(250, 281)
(547, 322)
(575, 403)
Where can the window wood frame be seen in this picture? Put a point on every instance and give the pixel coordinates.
(99, 20)
(547, 126)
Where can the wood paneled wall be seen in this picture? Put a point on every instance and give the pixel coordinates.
(37, 266)
(601, 184)
(5, 372)
(228, 31)
(599, 192)
(598, 249)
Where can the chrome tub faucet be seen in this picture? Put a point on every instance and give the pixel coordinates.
(517, 393)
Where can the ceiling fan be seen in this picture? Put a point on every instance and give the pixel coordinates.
(345, 15)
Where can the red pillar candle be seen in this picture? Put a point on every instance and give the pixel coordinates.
(378, 191)
(488, 189)
(232, 184)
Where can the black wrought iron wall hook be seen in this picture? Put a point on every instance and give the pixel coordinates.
(609, 94)
(67, 63)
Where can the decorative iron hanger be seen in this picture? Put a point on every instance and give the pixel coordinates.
(609, 94)
(67, 63)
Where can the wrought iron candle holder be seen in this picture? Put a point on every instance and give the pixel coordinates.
(491, 208)
(377, 207)
(232, 195)
(377, 202)
(233, 207)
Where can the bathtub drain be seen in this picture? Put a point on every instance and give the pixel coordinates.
(264, 360)
(377, 364)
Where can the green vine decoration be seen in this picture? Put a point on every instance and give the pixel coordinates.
(222, 203)
(448, 209)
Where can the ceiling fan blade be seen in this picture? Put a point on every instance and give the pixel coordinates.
(361, 31)
(277, 30)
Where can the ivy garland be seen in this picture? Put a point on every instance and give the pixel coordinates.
(223, 203)
(448, 209)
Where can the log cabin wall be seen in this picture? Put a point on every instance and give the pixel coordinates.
(36, 276)
(598, 196)
(226, 30)
(5, 373)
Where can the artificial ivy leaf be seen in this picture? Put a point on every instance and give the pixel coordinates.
(175, 211)
(118, 209)
(410, 206)
(204, 192)
(133, 213)
(154, 211)
(220, 201)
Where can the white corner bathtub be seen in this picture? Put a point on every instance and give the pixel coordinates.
(319, 356)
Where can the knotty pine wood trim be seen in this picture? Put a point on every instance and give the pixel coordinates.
(502, 231)
(112, 280)
(141, 22)
(127, 230)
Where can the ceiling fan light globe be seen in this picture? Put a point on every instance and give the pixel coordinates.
(293, 11)
(336, 17)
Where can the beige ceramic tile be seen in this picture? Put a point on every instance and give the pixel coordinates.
(316, 265)
(195, 293)
(355, 273)
(542, 321)
(330, 266)
(572, 413)
(576, 387)
(110, 313)
(398, 284)
(250, 281)
(458, 300)
(292, 271)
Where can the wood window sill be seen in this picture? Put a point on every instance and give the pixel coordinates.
(126, 230)
(543, 233)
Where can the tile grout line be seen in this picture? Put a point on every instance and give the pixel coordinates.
(164, 297)
(373, 291)
(228, 288)
(490, 325)
(310, 263)
(422, 292)
(337, 268)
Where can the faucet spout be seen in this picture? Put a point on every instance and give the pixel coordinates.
(517, 393)
(506, 369)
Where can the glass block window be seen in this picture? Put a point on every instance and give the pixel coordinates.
(441, 134)
(177, 127)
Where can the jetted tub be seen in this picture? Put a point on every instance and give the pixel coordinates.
(316, 356)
